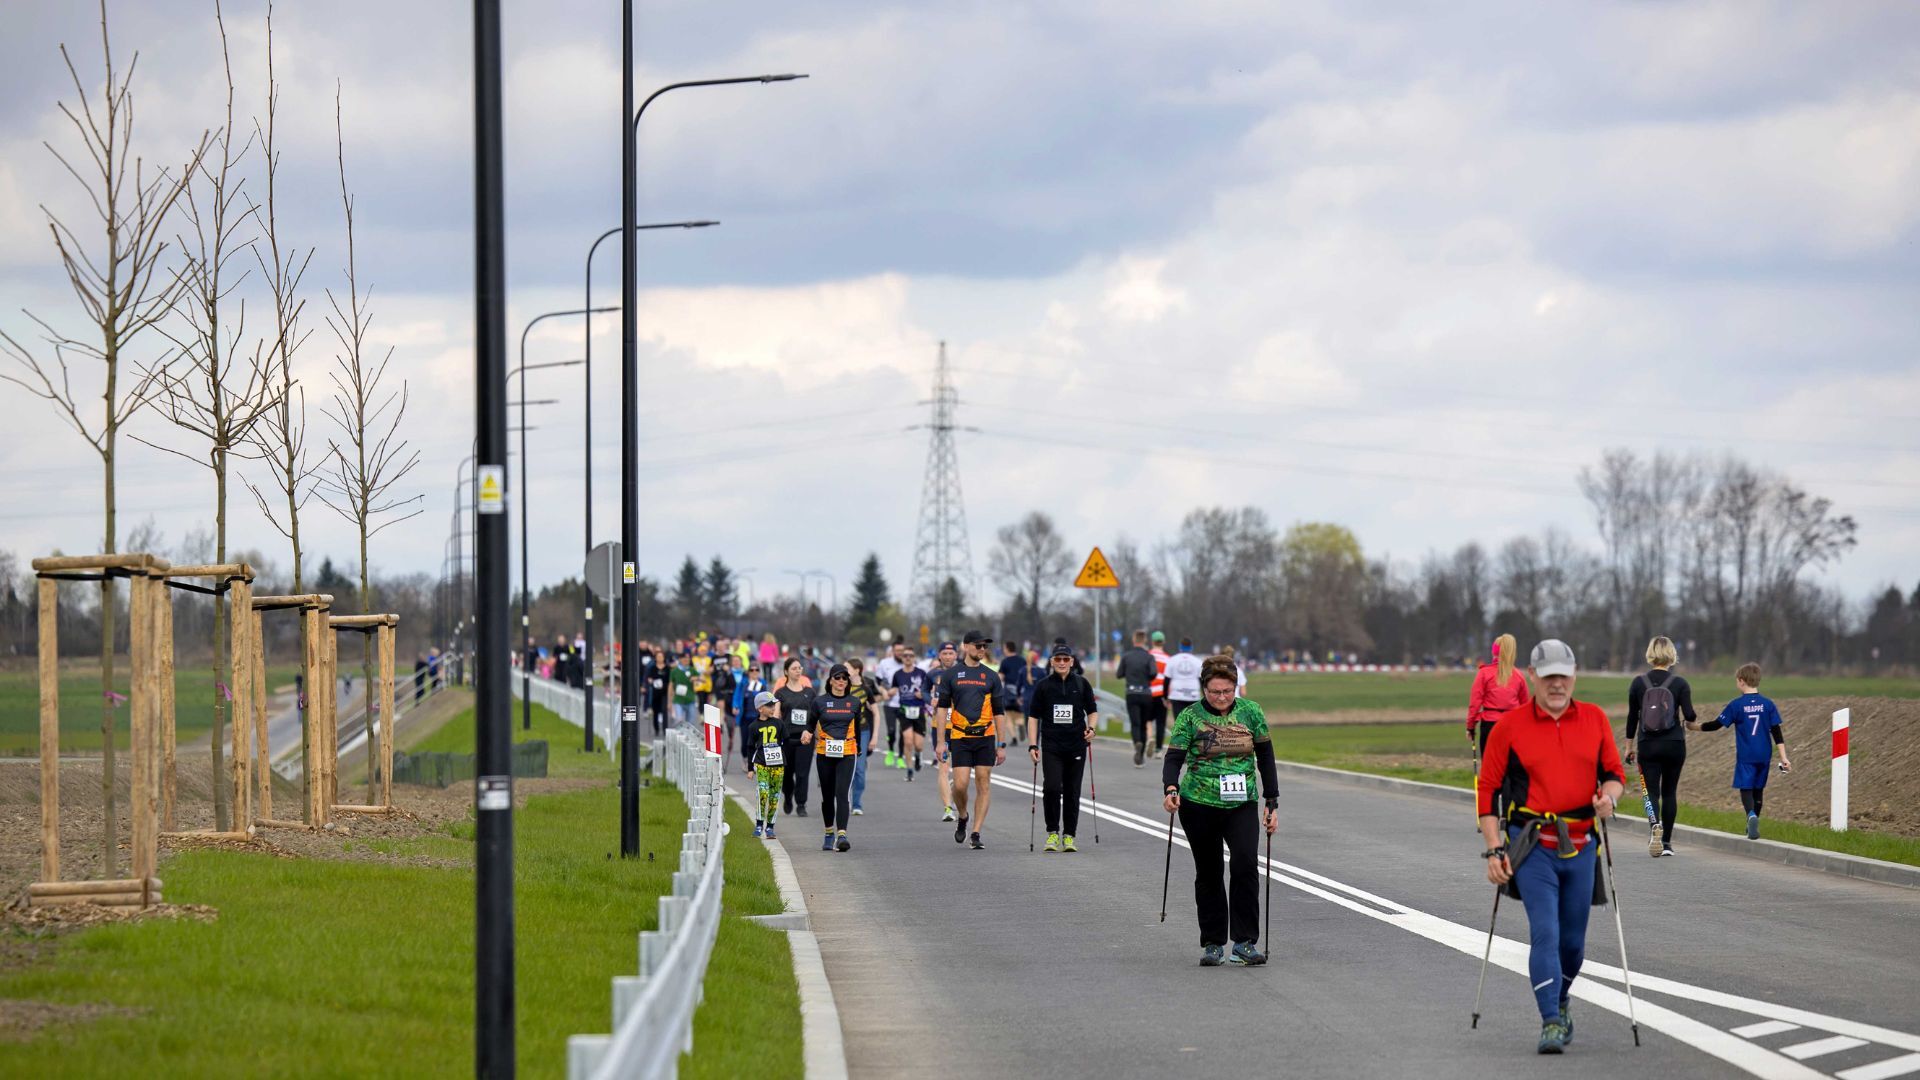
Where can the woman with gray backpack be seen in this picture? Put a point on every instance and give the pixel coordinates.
(1657, 702)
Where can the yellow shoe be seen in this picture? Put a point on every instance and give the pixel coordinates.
(1066, 844)
(1053, 842)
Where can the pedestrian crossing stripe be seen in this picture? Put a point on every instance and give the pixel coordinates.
(1097, 573)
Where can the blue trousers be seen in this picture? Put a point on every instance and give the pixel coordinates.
(1558, 894)
(860, 765)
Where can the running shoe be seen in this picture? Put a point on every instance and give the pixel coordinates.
(960, 831)
(786, 804)
(1053, 842)
(770, 835)
(1566, 1020)
(974, 841)
(1213, 956)
(909, 775)
(1753, 826)
(1139, 754)
(759, 830)
(857, 812)
(1246, 954)
(800, 810)
(840, 842)
(948, 816)
(1553, 1037)
(1653, 844)
(1066, 843)
(827, 844)
(889, 759)
(1666, 851)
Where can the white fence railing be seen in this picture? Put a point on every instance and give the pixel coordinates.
(571, 705)
(653, 1012)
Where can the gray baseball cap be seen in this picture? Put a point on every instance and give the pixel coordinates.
(763, 699)
(1553, 657)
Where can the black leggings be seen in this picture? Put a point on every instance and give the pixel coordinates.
(1753, 798)
(793, 782)
(1139, 715)
(1485, 728)
(1660, 764)
(1234, 909)
(1060, 791)
(836, 778)
(1159, 723)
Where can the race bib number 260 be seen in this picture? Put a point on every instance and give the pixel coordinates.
(1233, 789)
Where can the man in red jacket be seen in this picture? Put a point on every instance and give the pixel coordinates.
(1555, 761)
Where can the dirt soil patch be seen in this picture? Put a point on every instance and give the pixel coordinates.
(22, 1019)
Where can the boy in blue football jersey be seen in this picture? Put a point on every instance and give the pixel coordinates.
(1755, 721)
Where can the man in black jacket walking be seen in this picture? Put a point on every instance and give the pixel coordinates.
(1136, 671)
(1060, 727)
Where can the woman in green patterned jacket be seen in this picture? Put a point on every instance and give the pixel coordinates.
(1219, 741)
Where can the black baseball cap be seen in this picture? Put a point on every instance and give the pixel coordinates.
(977, 637)
(1062, 649)
(945, 645)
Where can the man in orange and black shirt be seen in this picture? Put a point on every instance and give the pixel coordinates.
(968, 701)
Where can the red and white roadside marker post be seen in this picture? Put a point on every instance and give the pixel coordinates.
(710, 715)
(1837, 813)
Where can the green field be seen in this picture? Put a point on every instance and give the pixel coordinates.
(1374, 748)
(80, 705)
(319, 968)
(1445, 694)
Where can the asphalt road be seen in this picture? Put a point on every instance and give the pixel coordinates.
(951, 962)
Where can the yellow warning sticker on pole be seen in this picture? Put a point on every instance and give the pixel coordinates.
(1096, 574)
(493, 489)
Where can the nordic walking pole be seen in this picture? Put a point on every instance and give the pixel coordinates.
(1168, 876)
(1485, 956)
(1653, 816)
(1266, 933)
(1096, 794)
(1613, 891)
(1033, 801)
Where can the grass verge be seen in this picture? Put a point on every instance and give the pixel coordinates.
(80, 705)
(318, 968)
(566, 744)
(1446, 692)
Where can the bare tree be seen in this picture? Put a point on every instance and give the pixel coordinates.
(282, 434)
(1032, 557)
(208, 397)
(360, 472)
(123, 292)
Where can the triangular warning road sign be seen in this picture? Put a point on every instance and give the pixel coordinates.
(1096, 574)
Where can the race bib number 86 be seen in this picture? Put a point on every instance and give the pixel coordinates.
(799, 718)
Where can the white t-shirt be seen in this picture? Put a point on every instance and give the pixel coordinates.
(883, 671)
(1183, 677)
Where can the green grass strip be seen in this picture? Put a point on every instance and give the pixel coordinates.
(193, 692)
(328, 968)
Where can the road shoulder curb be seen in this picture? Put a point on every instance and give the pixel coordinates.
(1827, 862)
(824, 1050)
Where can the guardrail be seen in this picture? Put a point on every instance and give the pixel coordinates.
(653, 1011)
(570, 704)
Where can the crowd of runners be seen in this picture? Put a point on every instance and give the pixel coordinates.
(1548, 772)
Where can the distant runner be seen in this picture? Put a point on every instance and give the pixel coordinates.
(947, 659)
(1497, 687)
(747, 689)
(1136, 672)
(969, 699)
(1546, 756)
(1183, 678)
(883, 674)
(866, 690)
(912, 690)
(1060, 726)
(1013, 675)
(1159, 692)
(796, 695)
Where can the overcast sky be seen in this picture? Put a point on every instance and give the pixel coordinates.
(1406, 267)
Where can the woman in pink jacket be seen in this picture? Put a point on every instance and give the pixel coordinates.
(1497, 687)
(769, 652)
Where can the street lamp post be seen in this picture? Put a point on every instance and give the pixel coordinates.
(586, 591)
(526, 626)
(629, 432)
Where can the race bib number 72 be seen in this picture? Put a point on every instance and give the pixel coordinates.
(1233, 789)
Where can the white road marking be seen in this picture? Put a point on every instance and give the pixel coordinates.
(1832, 1044)
(1512, 955)
(1882, 1070)
(1764, 1028)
